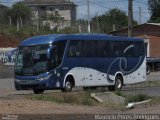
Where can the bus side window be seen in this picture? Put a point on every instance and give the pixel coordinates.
(103, 48)
(75, 48)
(90, 48)
(139, 48)
(73, 52)
(129, 49)
(54, 60)
(117, 48)
(57, 54)
(60, 50)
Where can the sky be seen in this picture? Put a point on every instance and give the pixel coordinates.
(101, 6)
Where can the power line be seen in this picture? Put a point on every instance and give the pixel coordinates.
(101, 5)
(141, 2)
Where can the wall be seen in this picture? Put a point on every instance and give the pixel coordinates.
(154, 46)
(7, 56)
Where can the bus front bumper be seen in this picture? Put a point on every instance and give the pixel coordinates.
(29, 85)
(36, 84)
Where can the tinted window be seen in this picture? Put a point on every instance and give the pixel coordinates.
(128, 49)
(103, 49)
(117, 49)
(75, 48)
(90, 48)
(82, 48)
(97, 48)
(57, 53)
(60, 48)
(139, 48)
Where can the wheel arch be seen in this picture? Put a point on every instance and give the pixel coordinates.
(119, 74)
(69, 77)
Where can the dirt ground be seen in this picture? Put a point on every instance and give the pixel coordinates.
(21, 105)
(44, 107)
(24, 109)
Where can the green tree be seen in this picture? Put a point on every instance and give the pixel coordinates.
(113, 17)
(19, 11)
(154, 7)
(56, 18)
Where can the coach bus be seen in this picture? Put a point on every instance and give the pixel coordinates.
(87, 60)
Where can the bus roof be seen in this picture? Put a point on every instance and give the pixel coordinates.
(49, 39)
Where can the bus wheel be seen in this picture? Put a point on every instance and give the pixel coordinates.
(148, 70)
(38, 91)
(118, 84)
(68, 86)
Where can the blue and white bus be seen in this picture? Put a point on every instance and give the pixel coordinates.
(87, 60)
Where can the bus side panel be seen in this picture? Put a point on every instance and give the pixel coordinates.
(105, 71)
(74, 68)
(90, 72)
(137, 76)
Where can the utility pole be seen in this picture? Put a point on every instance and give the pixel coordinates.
(18, 24)
(38, 17)
(97, 23)
(88, 11)
(130, 18)
(10, 21)
(114, 27)
(140, 15)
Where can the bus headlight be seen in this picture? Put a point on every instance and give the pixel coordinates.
(16, 80)
(43, 77)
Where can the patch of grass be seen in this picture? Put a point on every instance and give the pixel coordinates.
(154, 83)
(82, 98)
(155, 101)
(137, 97)
(133, 98)
(150, 83)
(119, 93)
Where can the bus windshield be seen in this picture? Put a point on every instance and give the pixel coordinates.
(32, 60)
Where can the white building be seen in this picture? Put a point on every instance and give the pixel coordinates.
(64, 10)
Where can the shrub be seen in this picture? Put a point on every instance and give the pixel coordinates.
(82, 98)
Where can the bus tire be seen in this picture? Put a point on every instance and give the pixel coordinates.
(38, 91)
(148, 70)
(68, 85)
(118, 84)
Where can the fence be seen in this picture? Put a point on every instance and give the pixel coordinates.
(65, 26)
